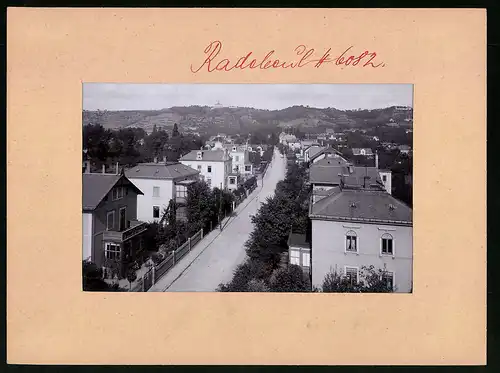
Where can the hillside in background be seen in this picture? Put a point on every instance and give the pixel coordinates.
(206, 120)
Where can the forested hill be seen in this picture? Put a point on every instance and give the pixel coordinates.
(238, 119)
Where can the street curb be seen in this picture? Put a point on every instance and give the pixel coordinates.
(201, 252)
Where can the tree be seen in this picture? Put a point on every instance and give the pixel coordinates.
(248, 276)
(96, 140)
(370, 281)
(272, 226)
(131, 276)
(200, 205)
(175, 131)
(92, 278)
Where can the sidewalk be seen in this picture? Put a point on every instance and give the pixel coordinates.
(179, 268)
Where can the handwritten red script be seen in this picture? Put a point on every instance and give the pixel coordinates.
(305, 57)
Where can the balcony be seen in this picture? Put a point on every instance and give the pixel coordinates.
(135, 228)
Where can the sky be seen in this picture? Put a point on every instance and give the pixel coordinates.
(124, 96)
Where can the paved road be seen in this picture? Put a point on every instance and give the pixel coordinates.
(216, 263)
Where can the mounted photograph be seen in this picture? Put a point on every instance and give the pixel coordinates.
(247, 188)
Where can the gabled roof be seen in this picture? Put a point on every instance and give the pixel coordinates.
(362, 206)
(217, 155)
(313, 150)
(325, 150)
(96, 186)
(160, 171)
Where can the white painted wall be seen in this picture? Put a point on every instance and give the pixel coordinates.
(328, 250)
(218, 174)
(146, 202)
(87, 236)
(388, 180)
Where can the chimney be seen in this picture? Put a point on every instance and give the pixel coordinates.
(155, 160)
(164, 159)
(87, 167)
(103, 168)
(351, 169)
(376, 160)
(117, 171)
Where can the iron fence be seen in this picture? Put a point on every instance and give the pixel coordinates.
(153, 275)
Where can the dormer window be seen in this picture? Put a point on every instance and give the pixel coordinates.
(199, 155)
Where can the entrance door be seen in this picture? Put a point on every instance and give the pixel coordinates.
(123, 218)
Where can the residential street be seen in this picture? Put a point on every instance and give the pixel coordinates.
(214, 259)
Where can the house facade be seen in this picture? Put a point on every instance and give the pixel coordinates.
(352, 228)
(240, 158)
(112, 235)
(161, 183)
(214, 165)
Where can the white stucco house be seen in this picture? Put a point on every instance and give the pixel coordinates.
(355, 227)
(240, 159)
(214, 165)
(160, 183)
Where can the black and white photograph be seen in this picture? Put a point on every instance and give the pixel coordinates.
(247, 188)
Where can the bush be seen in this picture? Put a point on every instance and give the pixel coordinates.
(289, 279)
(370, 281)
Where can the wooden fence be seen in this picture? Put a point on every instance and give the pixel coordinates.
(159, 270)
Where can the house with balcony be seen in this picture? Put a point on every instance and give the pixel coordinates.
(112, 235)
(214, 166)
(240, 159)
(161, 183)
(352, 227)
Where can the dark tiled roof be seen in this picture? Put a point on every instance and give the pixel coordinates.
(208, 155)
(362, 205)
(298, 240)
(160, 171)
(329, 171)
(96, 186)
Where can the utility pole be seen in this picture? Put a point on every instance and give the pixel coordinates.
(220, 207)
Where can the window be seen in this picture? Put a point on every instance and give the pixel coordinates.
(181, 191)
(209, 168)
(199, 167)
(232, 180)
(306, 259)
(156, 212)
(295, 257)
(209, 182)
(117, 193)
(236, 158)
(352, 274)
(384, 178)
(351, 244)
(247, 168)
(156, 191)
(123, 219)
(112, 251)
(387, 246)
(388, 279)
(110, 220)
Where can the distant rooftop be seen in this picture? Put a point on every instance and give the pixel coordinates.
(207, 155)
(160, 171)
